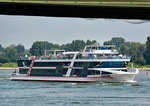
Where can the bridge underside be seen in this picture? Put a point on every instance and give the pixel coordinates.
(75, 11)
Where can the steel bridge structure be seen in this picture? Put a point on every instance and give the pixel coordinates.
(111, 9)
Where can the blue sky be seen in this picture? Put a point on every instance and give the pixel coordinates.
(28, 29)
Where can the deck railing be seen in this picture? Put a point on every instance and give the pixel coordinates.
(129, 3)
(78, 58)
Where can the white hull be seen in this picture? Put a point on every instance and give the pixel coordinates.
(112, 78)
(124, 78)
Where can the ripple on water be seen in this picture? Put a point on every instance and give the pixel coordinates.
(136, 85)
(76, 94)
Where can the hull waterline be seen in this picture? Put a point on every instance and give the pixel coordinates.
(113, 78)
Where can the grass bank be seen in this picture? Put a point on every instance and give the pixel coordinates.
(138, 66)
(141, 67)
(8, 65)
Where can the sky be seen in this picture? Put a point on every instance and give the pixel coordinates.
(28, 29)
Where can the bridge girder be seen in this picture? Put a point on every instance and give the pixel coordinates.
(75, 11)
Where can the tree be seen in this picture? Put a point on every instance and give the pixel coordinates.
(94, 42)
(77, 45)
(39, 47)
(88, 42)
(107, 43)
(55, 46)
(48, 45)
(124, 50)
(4, 59)
(66, 47)
(20, 48)
(117, 41)
(11, 53)
(1, 48)
(26, 52)
(140, 60)
(147, 53)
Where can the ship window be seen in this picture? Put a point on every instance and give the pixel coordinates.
(104, 48)
(112, 64)
(93, 47)
(97, 72)
(87, 49)
(43, 64)
(93, 72)
(109, 48)
(103, 72)
(124, 70)
(20, 63)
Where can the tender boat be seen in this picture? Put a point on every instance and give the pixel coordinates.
(94, 63)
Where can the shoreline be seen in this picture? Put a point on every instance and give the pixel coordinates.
(10, 68)
(144, 68)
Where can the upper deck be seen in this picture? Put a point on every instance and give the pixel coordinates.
(92, 53)
(78, 58)
(97, 49)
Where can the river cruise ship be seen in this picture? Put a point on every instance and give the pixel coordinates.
(94, 63)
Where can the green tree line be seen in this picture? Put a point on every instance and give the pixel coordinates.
(139, 52)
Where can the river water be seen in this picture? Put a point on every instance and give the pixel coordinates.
(29, 93)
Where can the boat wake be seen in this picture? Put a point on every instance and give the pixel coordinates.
(131, 81)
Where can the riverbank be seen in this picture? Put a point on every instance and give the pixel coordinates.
(8, 68)
(144, 68)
